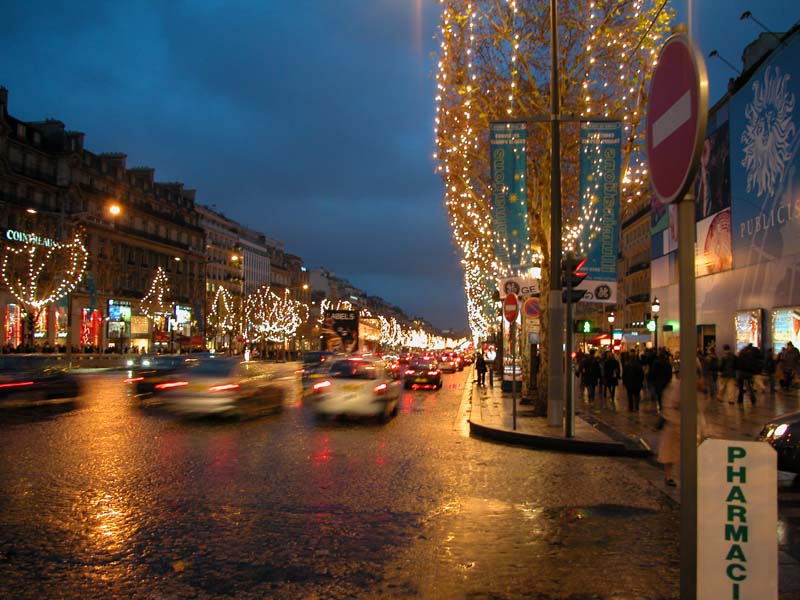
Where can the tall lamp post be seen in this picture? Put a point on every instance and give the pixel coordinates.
(611, 328)
(656, 307)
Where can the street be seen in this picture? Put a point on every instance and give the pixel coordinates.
(109, 499)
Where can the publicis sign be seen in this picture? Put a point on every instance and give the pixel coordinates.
(601, 155)
(737, 515)
(512, 246)
(340, 331)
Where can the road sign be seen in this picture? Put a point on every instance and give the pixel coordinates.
(532, 309)
(677, 111)
(511, 307)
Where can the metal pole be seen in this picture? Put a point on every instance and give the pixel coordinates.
(569, 421)
(555, 388)
(688, 390)
(655, 341)
(512, 332)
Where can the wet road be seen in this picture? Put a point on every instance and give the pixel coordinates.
(111, 501)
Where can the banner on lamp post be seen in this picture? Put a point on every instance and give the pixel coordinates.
(512, 247)
(601, 155)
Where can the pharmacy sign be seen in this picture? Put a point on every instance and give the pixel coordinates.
(737, 514)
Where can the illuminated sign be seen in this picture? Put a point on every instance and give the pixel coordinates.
(29, 238)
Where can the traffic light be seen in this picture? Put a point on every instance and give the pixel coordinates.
(582, 326)
(572, 274)
(586, 327)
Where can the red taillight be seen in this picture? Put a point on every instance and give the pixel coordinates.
(15, 384)
(433, 373)
(171, 384)
(380, 388)
(134, 379)
(410, 372)
(321, 385)
(224, 387)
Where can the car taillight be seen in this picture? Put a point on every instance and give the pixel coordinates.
(410, 372)
(380, 388)
(224, 387)
(320, 385)
(171, 384)
(134, 379)
(433, 373)
(15, 384)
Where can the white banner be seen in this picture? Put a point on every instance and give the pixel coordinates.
(521, 286)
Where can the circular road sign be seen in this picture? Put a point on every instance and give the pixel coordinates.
(511, 307)
(677, 111)
(531, 308)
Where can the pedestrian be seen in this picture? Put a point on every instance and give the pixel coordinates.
(660, 375)
(633, 379)
(790, 363)
(590, 374)
(480, 366)
(711, 372)
(748, 364)
(611, 373)
(770, 366)
(727, 375)
(669, 441)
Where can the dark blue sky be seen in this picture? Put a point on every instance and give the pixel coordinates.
(309, 120)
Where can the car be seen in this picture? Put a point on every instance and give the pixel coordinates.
(35, 380)
(783, 434)
(451, 362)
(220, 386)
(315, 366)
(152, 369)
(424, 373)
(357, 387)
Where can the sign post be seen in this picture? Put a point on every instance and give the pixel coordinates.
(677, 111)
(511, 311)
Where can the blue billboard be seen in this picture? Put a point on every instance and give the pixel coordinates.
(601, 155)
(512, 246)
(765, 164)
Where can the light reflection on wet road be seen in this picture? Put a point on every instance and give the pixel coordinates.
(112, 500)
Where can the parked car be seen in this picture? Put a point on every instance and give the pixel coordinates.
(35, 380)
(783, 434)
(220, 386)
(422, 372)
(357, 387)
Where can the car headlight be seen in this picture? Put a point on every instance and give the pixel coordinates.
(129, 362)
(775, 432)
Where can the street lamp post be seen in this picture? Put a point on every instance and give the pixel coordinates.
(656, 307)
(611, 325)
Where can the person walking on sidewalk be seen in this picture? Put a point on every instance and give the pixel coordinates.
(611, 373)
(660, 375)
(727, 375)
(669, 441)
(710, 365)
(590, 374)
(790, 362)
(633, 379)
(480, 366)
(748, 365)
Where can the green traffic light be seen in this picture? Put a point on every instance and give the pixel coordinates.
(587, 327)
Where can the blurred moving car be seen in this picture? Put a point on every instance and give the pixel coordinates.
(152, 370)
(315, 366)
(783, 434)
(422, 372)
(35, 380)
(220, 386)
(357, 387)
(451, 362)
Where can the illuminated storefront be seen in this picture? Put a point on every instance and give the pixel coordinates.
(12, 326)
(119, 324)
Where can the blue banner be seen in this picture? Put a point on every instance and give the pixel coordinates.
(601, 155)
(512, 246)
(765, 161)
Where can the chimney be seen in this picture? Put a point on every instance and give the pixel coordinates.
(3, 102)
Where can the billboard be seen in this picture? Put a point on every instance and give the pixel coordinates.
(512, 245)
(340, 331)
(785, 327)
(748, 326)
(765, 163)
(601, 155)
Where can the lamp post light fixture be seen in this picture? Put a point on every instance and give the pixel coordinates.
(611, 324)
(656, 307)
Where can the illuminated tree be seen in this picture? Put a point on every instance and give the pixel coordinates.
(40, 271)
(495, 65)
(273, 317)
(154, 304)
(222, 315)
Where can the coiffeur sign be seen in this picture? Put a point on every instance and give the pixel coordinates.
(737, 514)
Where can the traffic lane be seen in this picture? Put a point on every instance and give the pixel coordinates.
(112, 500)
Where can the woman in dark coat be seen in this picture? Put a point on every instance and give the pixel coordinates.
(633, 379)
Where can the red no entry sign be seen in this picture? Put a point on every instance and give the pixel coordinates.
(511, 307)
(677, 110)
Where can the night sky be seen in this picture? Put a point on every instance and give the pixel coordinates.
(310, 120)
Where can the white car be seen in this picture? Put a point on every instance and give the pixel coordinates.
(357, 387)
